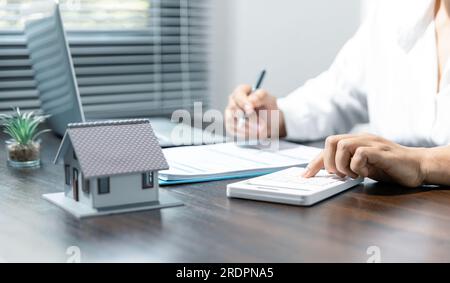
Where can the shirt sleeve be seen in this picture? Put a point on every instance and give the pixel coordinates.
(440, 134)
(335, 101)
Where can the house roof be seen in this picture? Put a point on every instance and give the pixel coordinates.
(113, 147)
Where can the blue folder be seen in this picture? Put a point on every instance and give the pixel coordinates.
(219, 178)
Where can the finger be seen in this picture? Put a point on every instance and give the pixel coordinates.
(363, 158)
(259, 98)
(240, 97)
(232, 110)
(230, 121)
(259, 122)
(232, 104)
(343, 159)
(263, 131)
(344, 152)
(329, 153)
(314, 167)
(235, 129)
(233, 114)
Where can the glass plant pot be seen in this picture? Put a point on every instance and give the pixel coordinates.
(24, 156)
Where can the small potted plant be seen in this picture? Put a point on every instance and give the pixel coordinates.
(23, 148)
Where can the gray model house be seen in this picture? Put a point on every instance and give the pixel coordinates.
(110, 167)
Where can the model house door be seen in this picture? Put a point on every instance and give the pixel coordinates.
(75, 185)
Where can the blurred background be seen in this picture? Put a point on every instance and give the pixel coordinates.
(151, 57)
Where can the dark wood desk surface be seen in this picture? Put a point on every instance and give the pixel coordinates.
(406, 224)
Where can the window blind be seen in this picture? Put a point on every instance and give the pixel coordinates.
(132, 58)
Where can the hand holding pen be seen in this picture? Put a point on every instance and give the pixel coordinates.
(244, 103)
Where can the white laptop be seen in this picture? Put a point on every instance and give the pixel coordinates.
(289, 187)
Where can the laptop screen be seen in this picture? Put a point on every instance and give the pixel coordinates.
(53, 68)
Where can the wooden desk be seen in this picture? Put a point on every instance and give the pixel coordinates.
(407, 225)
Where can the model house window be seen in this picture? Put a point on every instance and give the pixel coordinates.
(147, 180)
(103, 186)
(86, 187)
(67, 174)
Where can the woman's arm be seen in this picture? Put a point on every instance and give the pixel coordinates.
(436, 165)
(382, 160)
(335, 101)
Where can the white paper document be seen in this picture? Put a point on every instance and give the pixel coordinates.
(230, 160)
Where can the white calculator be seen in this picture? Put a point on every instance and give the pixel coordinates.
(288, 186)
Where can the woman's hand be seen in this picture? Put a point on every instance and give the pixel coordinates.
(370, 156)
(245, 102)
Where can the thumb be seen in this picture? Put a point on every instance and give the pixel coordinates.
(363, 158)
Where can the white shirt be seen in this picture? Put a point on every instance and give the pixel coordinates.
(386, 75)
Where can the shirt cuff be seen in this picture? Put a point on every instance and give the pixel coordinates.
(441, 127)
(295, 120)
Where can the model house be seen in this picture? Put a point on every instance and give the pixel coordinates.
(110, 167)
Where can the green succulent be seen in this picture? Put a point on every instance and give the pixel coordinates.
(22, 127)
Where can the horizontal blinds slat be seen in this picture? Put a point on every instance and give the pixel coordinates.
(27, 103)
(118, 50)
(13, 52)
(20, 94)
(140, 108)
(134, 69)
(110, 44)
(149, 87)
(16, 83)
(114, 98)
(16, 73)
(127, 79)
(15, 63)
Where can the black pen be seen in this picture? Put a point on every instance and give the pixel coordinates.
(257, 86)
(260, 81)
